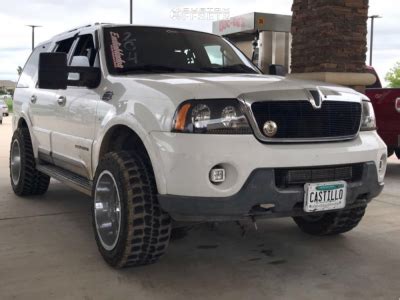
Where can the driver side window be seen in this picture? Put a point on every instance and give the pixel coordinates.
(86, 52)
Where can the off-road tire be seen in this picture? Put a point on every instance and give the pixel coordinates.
(332, 223)
(145, 228)
(31, 181)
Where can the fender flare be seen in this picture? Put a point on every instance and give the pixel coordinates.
(17, 116)
(130, 122)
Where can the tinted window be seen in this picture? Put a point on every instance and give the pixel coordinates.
(132, 49)
(85, 47)
(28, 75)
(65, 45)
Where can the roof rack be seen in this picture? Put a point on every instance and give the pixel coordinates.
(81, 27)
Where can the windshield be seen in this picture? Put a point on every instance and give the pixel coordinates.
(134, 50)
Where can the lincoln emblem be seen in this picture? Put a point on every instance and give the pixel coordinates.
(270, 128)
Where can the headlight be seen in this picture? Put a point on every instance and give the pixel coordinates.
(201, 115)
(368, 121)
(211, 116)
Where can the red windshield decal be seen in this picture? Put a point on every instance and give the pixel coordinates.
(116, 51)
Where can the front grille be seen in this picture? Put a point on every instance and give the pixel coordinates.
(298, 177)
(299, 120)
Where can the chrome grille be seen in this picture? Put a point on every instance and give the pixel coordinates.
(299, 120)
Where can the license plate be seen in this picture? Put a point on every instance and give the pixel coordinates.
(325, 196)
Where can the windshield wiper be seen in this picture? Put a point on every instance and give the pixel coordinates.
(239, 68)
(152, 68)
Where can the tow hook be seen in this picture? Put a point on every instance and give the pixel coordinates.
(243, 227)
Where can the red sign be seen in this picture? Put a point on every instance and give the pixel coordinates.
(235, 22)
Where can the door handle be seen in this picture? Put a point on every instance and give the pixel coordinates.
(61, 100)
(33, 99)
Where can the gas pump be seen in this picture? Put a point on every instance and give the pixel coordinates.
(263, 38)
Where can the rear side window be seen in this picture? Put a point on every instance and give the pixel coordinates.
(29, 74)
(65, 45)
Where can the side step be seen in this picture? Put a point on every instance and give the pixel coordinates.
(73, 180)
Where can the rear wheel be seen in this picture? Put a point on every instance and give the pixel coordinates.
(25, 179)
(331, 223)
(129, 225)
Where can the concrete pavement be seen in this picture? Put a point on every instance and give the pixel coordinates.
(47, 251)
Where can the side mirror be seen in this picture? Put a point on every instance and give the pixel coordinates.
(278, 70)
(78, 61)
(54, 72)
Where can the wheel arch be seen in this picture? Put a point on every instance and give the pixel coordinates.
(22, 123)
(21, 120)
(123, 137)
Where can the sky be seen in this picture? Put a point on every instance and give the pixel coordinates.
(56, 16)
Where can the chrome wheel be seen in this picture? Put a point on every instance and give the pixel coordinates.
(15, 162)
(107, 210)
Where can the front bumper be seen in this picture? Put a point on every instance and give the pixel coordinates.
(182, 162)
(260, 189)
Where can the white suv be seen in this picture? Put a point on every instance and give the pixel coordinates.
(161, 124)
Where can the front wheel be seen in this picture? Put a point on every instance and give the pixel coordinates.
(130, 227)
(331, 223)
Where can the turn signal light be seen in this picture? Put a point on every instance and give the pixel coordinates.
(180, 120)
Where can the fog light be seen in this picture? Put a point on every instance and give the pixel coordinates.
(382, 166)
(217, 175)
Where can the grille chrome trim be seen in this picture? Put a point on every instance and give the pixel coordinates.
(260, 136)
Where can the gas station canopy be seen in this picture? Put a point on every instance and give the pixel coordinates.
(269, 32)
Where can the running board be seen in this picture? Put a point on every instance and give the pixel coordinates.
(73, 180)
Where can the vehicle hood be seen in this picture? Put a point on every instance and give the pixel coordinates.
(156, 97)
(180, 87)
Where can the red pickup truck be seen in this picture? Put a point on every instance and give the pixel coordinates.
(386, 103)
